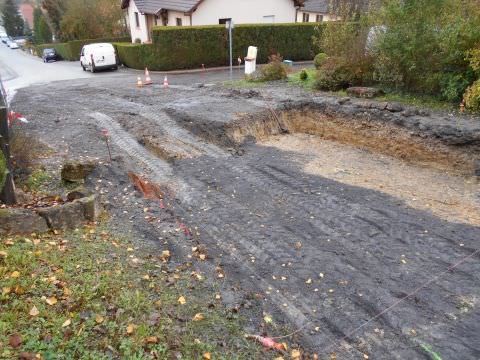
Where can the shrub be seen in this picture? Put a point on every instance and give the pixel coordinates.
(424, 45)
(274, 70)
(191, 46)
(319, 60)
(303, 75)
(334, 75)
(472, 97)
(71, 50)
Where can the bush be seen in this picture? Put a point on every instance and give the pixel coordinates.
(424, 45)
(274, 70)
(71, 50)
(334, 75)
(303, 75)
(191, 46)
(472, 97)
(319, 60)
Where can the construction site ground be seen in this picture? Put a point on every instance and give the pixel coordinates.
(354, 223)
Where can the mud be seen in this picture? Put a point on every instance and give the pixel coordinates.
(324, 254)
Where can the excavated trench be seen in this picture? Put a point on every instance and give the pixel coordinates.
(370, 135)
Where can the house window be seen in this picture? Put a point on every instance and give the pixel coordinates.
(224, 21)
(319, 18)
(137, 20)
(306, 17)
(179, 21)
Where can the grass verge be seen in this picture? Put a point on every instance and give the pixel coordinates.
(89, 295)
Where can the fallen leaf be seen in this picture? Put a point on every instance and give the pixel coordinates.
(34, 311)
(66, 323)
(27, 356)
(51, 300)
(15, 341)
(3, 254)
(99, 319)
(152, 340)
(298, 245)
(268, 319)
(309, 281)
(182, 300)
(296, 355)
(207, 356)
(198, 317)
(6, 290)
(130, 329)
(15, 275)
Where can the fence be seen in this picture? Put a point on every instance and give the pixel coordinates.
(7, 186)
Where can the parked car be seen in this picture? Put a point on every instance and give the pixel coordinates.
(49, 54)
(4, 39)
(13, 45)
(100, 56)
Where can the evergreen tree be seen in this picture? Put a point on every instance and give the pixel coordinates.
(12, 21)
(42, 32)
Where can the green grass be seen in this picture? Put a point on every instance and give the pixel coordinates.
(243, 84)
(37, 179)
(109, 298)
(430, 352)
(423, 101)
(308, 84)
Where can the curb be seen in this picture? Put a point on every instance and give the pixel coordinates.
(212, 69)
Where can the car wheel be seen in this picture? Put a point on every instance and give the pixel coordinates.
(115, 67)
(83, 67)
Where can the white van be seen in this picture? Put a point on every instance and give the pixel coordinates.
(100, 56)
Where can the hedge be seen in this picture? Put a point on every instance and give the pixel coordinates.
(191, 46)
(71, 50)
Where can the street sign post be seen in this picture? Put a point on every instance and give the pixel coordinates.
(230, 25)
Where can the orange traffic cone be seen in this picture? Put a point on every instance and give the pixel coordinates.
(165, 82)
(148, 79)
(139, 82)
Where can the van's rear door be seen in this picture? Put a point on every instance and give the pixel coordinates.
(104, 55)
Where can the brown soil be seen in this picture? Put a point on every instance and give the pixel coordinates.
(377, 137)
(445, 194)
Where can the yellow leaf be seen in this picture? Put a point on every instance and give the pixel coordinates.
(309, 281)
(67, 323)
(296, 355)
(207, 356)
(198, 317)
(67, 292)
(3, 254)
(268, 319)
(51, 300)
(99, 319)
(182, 300)
(202, 256)
(34, 311)
(6, 290)
(146, 277)
(130, 329)
(15, 275)
(279, 358)
(152, 340)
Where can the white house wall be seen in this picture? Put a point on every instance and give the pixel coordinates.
(140, 32)
(313, 16)
(244, 11)
(173, 15)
